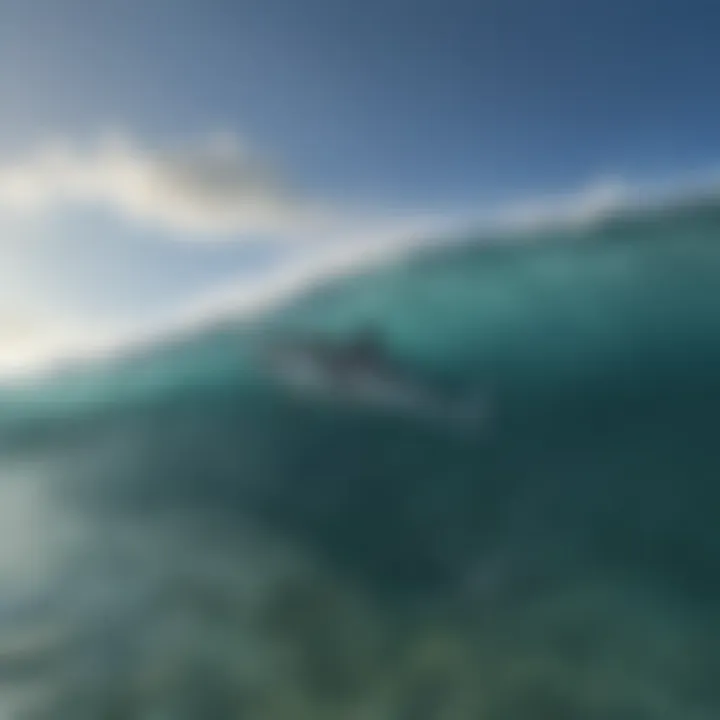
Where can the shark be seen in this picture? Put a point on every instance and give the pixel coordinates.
(362, 373)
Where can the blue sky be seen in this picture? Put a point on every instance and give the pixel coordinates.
(387, 105)
(429, 100)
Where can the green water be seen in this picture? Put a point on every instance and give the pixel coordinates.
(214, 547)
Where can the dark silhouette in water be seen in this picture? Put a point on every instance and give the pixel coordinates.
(363, 372)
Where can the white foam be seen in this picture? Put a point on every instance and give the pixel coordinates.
(331, 257)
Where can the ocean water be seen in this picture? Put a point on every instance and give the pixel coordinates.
(180, 538)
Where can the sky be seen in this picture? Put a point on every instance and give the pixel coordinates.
(153, 152)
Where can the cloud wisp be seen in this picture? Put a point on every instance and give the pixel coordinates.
(214, 188)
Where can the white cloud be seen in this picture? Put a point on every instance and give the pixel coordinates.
(216, 187)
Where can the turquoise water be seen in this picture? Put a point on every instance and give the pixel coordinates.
(185, 538)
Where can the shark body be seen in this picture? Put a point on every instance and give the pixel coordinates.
(362, 373)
